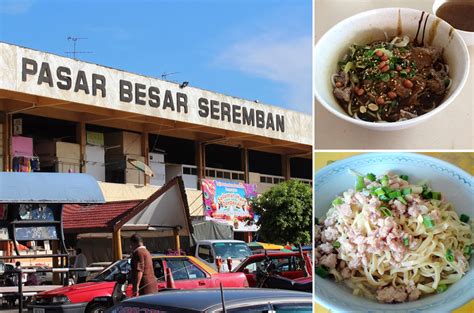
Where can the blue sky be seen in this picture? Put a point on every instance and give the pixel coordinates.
(254, 49)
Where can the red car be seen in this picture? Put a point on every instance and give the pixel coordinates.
(96, 295)
(287, 264)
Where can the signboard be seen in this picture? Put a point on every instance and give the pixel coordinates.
(43, 74)
(228, 201)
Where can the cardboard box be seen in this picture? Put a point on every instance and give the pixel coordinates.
(154, 157)
(94, 154)
(58, 149)
(121, 143)
(135, 177)
(60, 165)
(22, 146)
(120, 162)
(97, 170)
(94, 138)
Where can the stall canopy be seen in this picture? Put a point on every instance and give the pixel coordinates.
(211, 230)
(63, 188)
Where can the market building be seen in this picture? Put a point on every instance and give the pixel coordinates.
(63, 115)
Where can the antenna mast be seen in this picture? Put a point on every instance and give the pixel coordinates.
(74, 52)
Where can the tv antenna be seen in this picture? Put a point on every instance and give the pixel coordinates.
(74, 52)
(165, 75)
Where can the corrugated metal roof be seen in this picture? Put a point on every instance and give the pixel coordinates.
(49, 188)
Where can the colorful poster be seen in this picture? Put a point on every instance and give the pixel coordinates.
(228, 202)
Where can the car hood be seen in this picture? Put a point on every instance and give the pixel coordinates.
(78, 288)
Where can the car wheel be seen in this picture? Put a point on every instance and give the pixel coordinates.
(97, 308)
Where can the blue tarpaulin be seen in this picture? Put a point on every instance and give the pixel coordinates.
(49, 188)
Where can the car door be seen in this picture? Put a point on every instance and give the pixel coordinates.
(187, 275)
(291, 267)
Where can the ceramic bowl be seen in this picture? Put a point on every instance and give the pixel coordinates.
(467, 36)
(370, 26)
(455, 184)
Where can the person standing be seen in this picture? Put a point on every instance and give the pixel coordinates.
(142, 274)
(80, 262)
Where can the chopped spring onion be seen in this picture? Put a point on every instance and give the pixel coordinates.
(371, 177)
(385, 211)
(385, 77)
(464, 218)
(441, 288)
(406, 191)
(394, 194)
(404, 177)
(336, 244)
(384, 198)
(321, 271)
(402, 200)
(337, 201)
(349, 66)
(428, 221)
(360, 183)
(449, 255)
(379, 192)
(467, 250)
(406, 242)
(384, 181)
(436, 195)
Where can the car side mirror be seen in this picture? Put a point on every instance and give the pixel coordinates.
(246, 271)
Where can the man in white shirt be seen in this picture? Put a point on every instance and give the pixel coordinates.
(80, 262)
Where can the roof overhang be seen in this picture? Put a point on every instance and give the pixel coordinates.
(62, 188)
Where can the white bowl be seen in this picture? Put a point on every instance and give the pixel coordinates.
(467, 36)
(455, 184)
(370, 26)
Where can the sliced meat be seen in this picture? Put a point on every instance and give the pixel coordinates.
(396, 85)
(330, 234)
(425, 56)
(329, 260)
(343, 93)
(414, 295)
(326, 248)
(391, 294)
(346, 273)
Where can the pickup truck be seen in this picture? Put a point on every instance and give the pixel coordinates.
(208, 250)
(95, 295)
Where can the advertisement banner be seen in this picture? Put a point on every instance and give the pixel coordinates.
(226, 201)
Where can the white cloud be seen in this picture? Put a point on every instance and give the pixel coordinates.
(278, 57)
(15, 7)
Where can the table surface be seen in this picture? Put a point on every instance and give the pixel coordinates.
(452, 129)
(462, 160)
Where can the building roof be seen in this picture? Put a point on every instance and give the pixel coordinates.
(18, 187)
(78, 218)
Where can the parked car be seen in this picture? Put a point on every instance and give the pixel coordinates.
(91, 275)
(96, 295)
(287, 264)
(208, 250)
(210, 301)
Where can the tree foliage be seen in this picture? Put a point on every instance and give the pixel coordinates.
(285, 213)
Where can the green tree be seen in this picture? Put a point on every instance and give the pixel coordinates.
(285, 213)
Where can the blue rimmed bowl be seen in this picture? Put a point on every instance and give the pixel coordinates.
(455, 184)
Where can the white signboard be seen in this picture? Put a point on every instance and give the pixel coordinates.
(43, 74)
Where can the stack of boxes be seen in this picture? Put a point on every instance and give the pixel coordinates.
(121, 147)
(156, 161)
(60, 157)
(95, 155)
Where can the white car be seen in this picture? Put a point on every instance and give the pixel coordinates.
(208, 250)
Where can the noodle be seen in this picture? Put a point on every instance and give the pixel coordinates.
(398, 240)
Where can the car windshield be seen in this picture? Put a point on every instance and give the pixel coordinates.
(235, 250)
(109, 274)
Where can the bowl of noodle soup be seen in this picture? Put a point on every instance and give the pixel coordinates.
(455, 186)
(391, 90)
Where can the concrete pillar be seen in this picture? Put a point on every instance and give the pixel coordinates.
(245, 163)
(200, 161)
(81, 138)
(176, 239)
(145, 151)
(285, 167)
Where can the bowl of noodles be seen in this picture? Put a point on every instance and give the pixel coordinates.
(393, 233)
(390, 68)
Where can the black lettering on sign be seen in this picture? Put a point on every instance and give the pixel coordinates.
(139, 94)
(125, 91)
(81, 83)
(280, 123)
(248, 117)
(168, 101)
(182, 102)
(28, 67)
(64, 76)
(270, 123)
(236, 114)
(203, 107)
(260, 119)
(214, 109)
(153, 94)
(225, 111)
(98, 83)
(44, 75)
